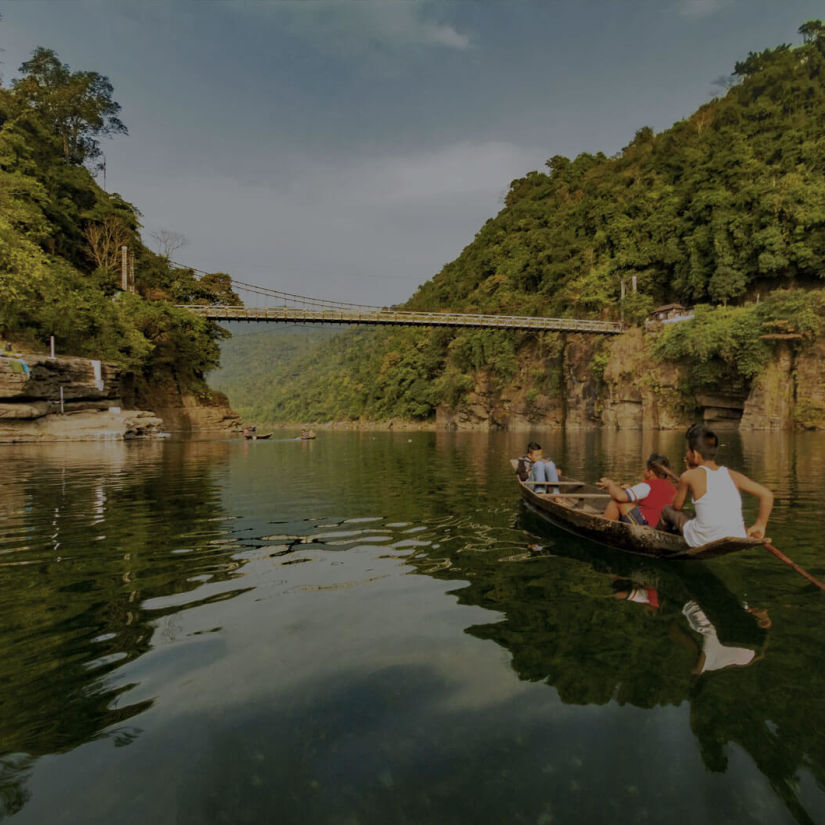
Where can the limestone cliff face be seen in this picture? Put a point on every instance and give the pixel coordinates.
(809, 385)
(32, 386)
(619, 384)
(194, 414)
(66, 399)
(790, 393)
(640, 392)
(612, 383)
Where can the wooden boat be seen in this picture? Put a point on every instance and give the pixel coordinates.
(256, 436)
(578, 509)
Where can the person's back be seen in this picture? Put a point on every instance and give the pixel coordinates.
(715, 493)
(661, 494)
(718, 513)
(643, 502)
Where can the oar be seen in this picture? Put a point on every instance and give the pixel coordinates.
(554, 483)
(767, 545)
(782, 557)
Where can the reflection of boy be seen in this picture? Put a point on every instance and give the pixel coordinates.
(628, 590)
(715, 494)
(643, 502)
(715, 655)
(536, 468)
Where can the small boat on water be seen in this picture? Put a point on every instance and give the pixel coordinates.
(306, 435)
(257, 436)
(573, 508)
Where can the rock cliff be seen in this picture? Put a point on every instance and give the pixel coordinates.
(618, 383)
(77, 399)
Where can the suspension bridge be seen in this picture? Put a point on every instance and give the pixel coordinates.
(284, 307)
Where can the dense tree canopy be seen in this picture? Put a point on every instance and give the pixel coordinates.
(77, 106)
(61, 237)
(726, 203)
(723, 209)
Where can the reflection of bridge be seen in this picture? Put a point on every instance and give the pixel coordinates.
(301, 310)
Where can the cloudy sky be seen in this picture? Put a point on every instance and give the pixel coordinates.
(348, 149)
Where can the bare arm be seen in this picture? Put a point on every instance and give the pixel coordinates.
(616, 492)
(765, 496)
(682, 490)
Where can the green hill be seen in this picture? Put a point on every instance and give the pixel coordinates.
(61, 236)
(725, 210)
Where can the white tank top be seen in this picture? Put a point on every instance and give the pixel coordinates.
(718, 511)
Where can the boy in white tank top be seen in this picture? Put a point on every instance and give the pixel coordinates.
(715, 494)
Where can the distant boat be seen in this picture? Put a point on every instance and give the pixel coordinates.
(256, 436)
(306, 435)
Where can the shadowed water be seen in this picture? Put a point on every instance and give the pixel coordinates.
(352, 630)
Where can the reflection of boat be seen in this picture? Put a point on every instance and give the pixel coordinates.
(256, 436)
(572, 510)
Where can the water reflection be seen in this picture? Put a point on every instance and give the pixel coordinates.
(352, 629)
(84, 551)
(614, 629)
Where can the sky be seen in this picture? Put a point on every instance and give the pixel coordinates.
(348, 149)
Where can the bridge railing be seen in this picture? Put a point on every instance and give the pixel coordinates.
(402, 317)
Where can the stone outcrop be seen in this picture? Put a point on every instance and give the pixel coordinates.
(790, 393)
(77, 399)
(28, 377)
(200, 414)
(809, 386)
(84, 425)
(619, 384)
(516, 407)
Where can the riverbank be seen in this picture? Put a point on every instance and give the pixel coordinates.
(619, 384)
(66, 398)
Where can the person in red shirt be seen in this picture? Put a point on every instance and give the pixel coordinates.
(643, 502)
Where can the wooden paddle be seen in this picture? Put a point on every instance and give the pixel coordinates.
(782, 557)
(555, 483)
(766, 544)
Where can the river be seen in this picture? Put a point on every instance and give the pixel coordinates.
(352, 631)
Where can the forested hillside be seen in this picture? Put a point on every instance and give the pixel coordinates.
(61, 236)
(725, 210)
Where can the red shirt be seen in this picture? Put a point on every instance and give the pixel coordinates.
(662, 493)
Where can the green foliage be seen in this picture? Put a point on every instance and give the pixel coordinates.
(726, 203)
(484, 349)
(725, 207)
(77, 106)
(598, 364)
(726, 344)
(60, 239)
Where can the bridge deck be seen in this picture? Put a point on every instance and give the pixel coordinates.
(427, 319)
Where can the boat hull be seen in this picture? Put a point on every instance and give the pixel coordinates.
(576, 516)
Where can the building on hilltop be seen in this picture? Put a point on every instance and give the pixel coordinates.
(669, 314)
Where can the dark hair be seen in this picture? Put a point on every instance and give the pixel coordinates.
(703, 440)
(533, 445)
(655, 462)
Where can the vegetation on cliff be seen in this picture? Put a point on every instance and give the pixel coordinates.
(61, 236)
(721, 210)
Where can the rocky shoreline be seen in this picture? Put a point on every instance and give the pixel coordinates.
(633, 391)
(67, 398)
(620, 385)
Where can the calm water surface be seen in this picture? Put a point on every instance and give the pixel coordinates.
(351, 631)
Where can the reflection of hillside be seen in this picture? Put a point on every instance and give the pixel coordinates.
(89, 538)
(562, 625)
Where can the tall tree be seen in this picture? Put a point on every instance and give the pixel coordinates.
(78, 106)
